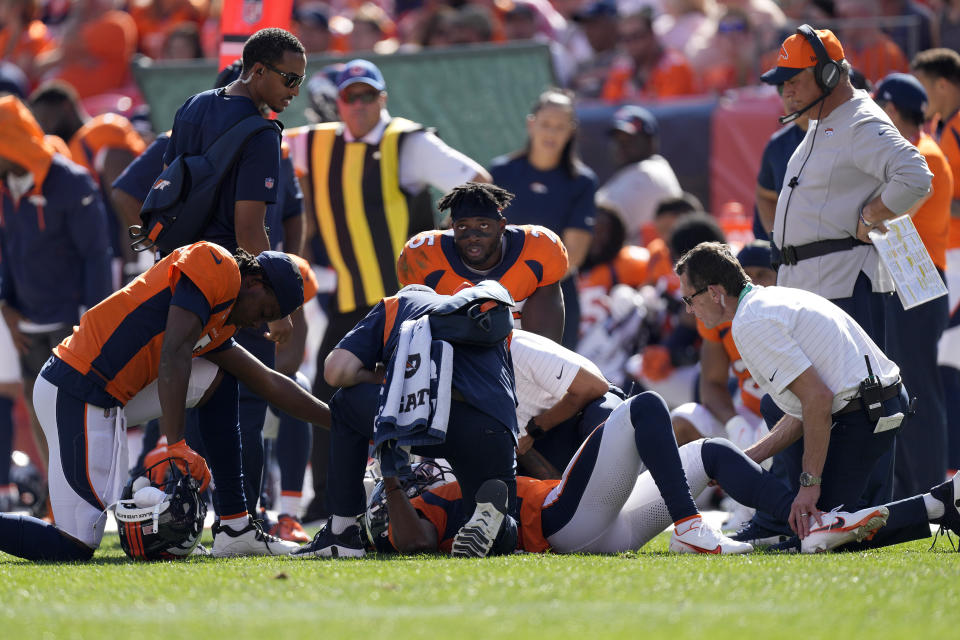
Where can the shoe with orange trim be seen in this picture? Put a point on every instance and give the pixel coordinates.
(289, 528)
(840, 527)
(693, 535)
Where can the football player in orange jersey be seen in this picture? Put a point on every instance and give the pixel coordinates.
(529, 260)
(133, 358)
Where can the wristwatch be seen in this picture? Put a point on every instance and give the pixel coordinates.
(808, 479)
(534, 430)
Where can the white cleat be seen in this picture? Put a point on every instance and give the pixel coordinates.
(249, 541)
(840, 527)
(476, 537)
(693, 535)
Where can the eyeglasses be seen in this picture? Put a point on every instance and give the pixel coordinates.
(363, 97)
(688, 300)
(290, 80)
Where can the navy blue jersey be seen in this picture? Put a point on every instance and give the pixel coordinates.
(140, 174)
(776, 155)
(256, 174)
(551, 199)
(55, 247)
(484, 375)
(289, 203)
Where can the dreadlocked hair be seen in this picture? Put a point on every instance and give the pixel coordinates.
(476, 195)
(247, 262)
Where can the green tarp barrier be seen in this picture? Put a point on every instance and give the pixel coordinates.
(476, 97)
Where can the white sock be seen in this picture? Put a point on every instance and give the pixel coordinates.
(935, 508)
(237, 523)
(339, 524)
(290, 504)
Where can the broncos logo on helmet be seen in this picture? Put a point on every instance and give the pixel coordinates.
(376, 520)
(160, 521)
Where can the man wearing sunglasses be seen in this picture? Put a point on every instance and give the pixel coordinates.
(388, 163)
(273, 68)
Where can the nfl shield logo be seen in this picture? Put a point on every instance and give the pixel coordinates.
(252, 11)
(268, 183)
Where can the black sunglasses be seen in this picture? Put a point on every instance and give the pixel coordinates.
(688, 300)
(365, 97)
(290, 80)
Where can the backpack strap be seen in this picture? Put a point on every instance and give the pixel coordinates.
(243, 130)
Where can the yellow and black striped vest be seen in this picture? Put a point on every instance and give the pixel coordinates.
(362, 214)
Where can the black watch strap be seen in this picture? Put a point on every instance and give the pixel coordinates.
(534, 430)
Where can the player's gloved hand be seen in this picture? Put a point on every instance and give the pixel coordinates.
(181, 454)
(656, 362)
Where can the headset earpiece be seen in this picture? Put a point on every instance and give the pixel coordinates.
(827, 71)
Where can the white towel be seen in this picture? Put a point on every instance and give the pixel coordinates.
(415, 405)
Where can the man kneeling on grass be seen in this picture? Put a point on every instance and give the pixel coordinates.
(162, 343)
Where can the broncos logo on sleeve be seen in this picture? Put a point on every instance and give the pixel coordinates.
(117, 345)
(533, 257)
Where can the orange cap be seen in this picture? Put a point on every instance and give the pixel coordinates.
(796, 54)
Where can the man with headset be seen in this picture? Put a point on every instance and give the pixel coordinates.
(852, 171)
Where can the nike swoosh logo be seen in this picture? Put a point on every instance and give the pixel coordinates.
(774, 374)
(215, 259)
(715, 551)
(560, 374)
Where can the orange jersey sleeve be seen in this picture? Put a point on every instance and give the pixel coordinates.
(750, 393)
(661, 266)
(533, 257)
(543, 254)
(436, 506)
(310, 284)
(933, 218)
(118, 342)
(443, 508)
(106, 131)
(531, 493)
(110, 40)
(672, 76)
(950, 144)
(630, 266)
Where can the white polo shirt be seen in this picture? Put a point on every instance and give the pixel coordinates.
(425, 159)
(780, 332)
(543, 371)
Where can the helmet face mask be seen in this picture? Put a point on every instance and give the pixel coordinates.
(376, 521)
(167, 530)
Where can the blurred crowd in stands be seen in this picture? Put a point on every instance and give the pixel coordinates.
(611, 50)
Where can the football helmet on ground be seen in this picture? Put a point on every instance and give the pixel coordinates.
(160, 521)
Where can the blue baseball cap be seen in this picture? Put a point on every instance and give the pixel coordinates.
(360, 70)
(284, 278)
(756, 253)
(634, 119)
(904, 91)
(597, 9)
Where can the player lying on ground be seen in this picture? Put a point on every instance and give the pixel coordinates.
(598, 507)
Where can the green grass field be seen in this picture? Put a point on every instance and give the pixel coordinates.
(900, 592)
